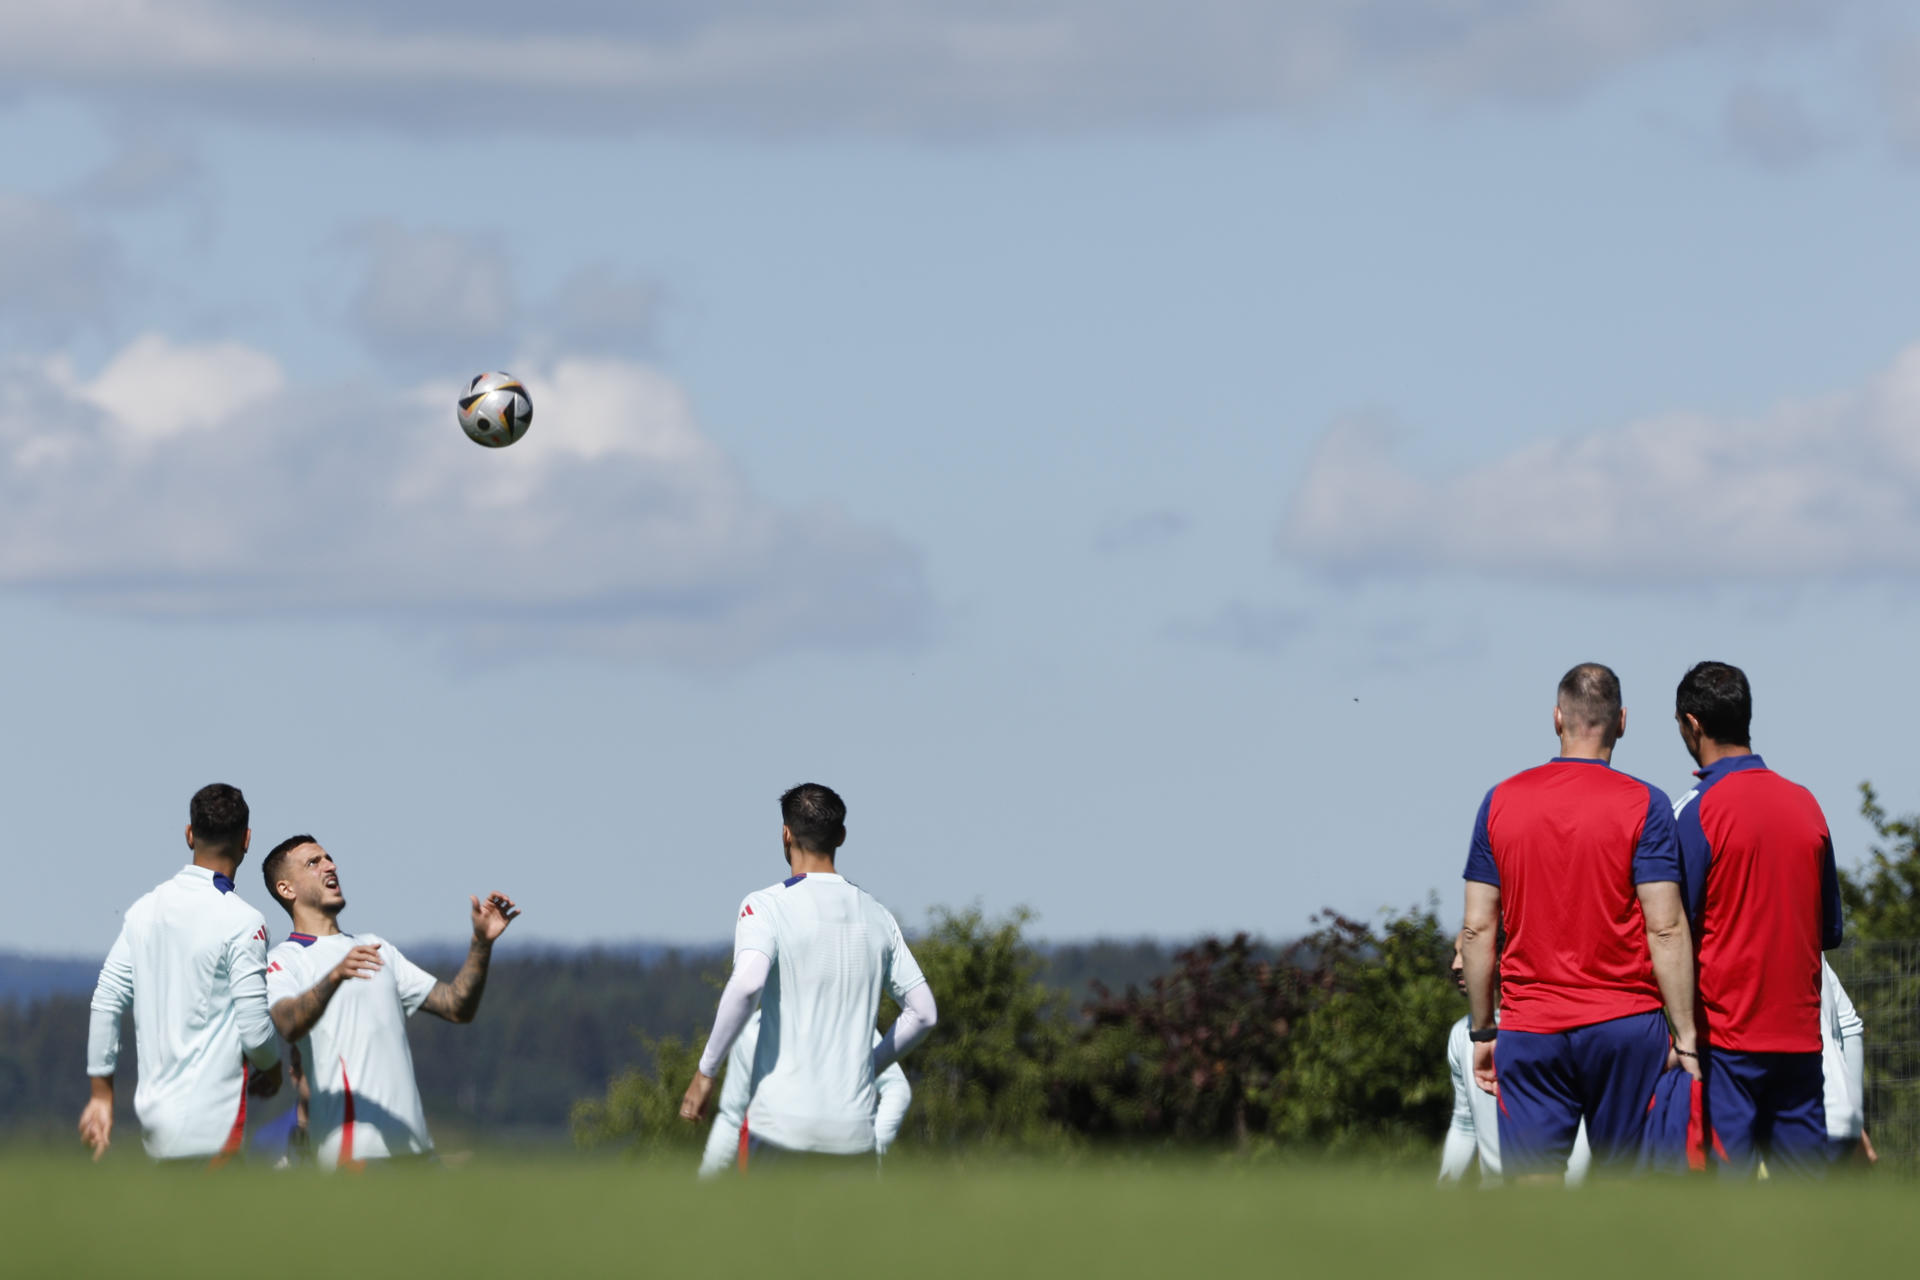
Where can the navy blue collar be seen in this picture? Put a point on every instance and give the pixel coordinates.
(1579, 760)
(304, 939)
(791, 881)
(1729, 764)
(222, 883)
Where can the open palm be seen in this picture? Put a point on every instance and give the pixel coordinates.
(492, 916)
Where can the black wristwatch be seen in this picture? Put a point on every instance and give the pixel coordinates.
(1483, 1035)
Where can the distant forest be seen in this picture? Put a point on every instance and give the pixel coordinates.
(556, 1027)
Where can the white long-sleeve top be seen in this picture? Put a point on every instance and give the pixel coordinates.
(723, 1140)
(1842, 1058)
(819, 952)
(1475, 1128)
(191, 961)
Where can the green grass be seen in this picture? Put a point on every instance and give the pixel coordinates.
(552, 1216)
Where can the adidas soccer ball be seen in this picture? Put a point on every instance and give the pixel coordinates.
(495, 410)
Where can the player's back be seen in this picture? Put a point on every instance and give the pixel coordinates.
(180, 944)
(1564, 838)
(1760, 925)
(834, 950)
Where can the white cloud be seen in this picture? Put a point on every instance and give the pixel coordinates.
(849, 65)
(1816, 489)
(156, 389)
(190, 481)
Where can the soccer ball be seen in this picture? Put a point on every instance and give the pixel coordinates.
(495, 410)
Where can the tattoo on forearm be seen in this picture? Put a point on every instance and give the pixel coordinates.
(294, 1017)
(459, 1000)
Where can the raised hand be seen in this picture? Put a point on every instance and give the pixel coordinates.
(491, 918)
(362, 961)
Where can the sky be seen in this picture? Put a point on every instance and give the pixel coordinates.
(1155, 460)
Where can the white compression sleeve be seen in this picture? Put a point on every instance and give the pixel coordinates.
(917, 1017)
(896, 1095)
(112, 996)
(247, 976)
(750, 970)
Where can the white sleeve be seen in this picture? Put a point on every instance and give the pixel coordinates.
(750, 970)
(415, 983)
(285, 974)
(247, 983)
(723, 1140)
(896, 1095)
(903, 971)
(1456, 1155)
(112, 996)
(1847, 1024)
(917, 1017)
(753, 930)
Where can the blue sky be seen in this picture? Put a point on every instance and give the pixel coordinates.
(1155, 460)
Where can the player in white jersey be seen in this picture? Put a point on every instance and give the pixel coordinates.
(729, 1121)
(344, 1000)
(817, 952)
(1475, 1127)
(1843, 1063)
(190, 960)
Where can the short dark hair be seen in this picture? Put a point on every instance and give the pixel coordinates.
(1590, 697)
(276, 861)
(1718, 696)
(816, 816)
(219, 816)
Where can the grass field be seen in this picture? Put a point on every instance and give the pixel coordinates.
(551, 1216)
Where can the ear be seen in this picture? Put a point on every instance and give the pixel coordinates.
(189, 835)
(1559, 722)
(1620, 728)
(246, 841)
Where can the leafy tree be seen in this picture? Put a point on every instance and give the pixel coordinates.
(1197, 1055)
(1883, 897)
(640, 1110)
(983, 1076)
(1365, 1063)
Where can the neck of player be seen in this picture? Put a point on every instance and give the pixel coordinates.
(314, 921)
(1710, 753)
(221, 864)
(805, 862)
(1585, 747)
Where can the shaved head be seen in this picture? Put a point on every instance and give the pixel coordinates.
(1589, 700)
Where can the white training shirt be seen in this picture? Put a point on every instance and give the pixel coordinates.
(1475, 1128)
(190, 959)
(1842, 1058)
(364, 1102)
(723, 1140)
(834, 948)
